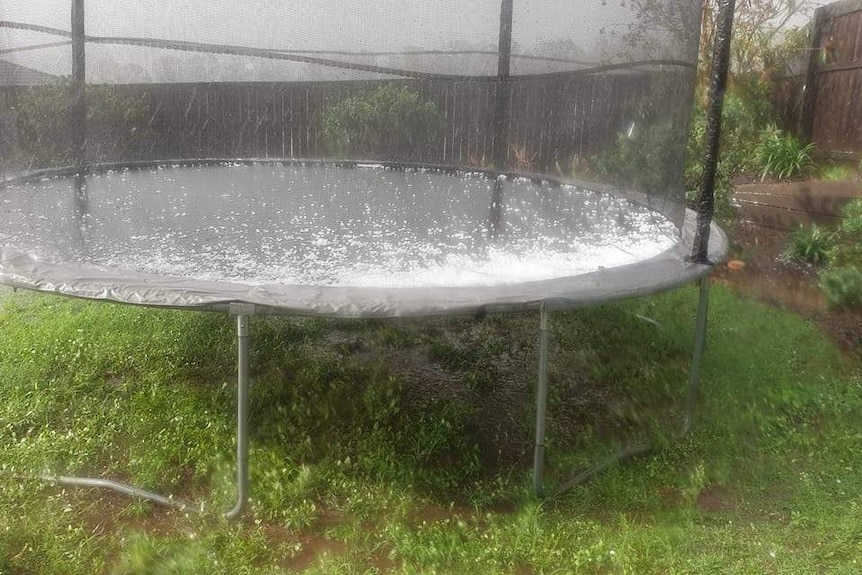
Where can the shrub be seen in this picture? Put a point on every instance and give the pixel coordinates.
(851, 219)
(842, 286)
(848, 238)
(643, 158)
(782, 155)
(842, 280)
(723, 187)
(812, 245)
(746, 112)
(392, 121)
(44, 131)
(835, 172)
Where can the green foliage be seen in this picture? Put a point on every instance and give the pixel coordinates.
(745, 113)
(842, 281)
(44, 130)
(811, 245)
(842, 286)
(851, 220)
(722, 191)
(392, 121)
(782, 155)
(839, 251)
(832, 172)
(645, 158)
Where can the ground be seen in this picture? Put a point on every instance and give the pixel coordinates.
(770, 278)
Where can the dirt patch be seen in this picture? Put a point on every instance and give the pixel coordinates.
(769, 278)
(716, 499)
(111, 512)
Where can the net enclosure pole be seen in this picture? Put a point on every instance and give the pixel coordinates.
(503, 96)
(706, 200)
(79, 79)
(501, 113)
(541, 404)
(699, 345)
(242, 313)
(717, 87)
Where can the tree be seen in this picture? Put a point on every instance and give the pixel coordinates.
(762, 29)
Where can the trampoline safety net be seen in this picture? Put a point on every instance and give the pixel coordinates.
(349, 144)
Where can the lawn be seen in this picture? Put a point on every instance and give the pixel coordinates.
(404, 446)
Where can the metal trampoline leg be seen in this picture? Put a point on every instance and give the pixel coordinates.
(699, 345)
(242, 442)
(541, 404)
(242, 313)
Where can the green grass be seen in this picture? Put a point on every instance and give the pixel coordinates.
(382, 447)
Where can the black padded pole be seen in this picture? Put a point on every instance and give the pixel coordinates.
(717, 87)
(79, 78)
(501, 113)
(501, 109)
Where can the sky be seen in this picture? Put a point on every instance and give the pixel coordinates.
(366, 24)
(585, 29)
(358, 25)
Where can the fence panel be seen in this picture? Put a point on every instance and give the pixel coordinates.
(551, 119)
(832, 107)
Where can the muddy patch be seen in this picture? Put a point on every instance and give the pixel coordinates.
(768, 277)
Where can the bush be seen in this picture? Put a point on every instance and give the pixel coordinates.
(840, 250)
(723, 186)
(842, 286)
(812, 245)
(848, 244)
(645, 158)
(781, 155)
(43, 128)
(851, 219)
(746, 112)
(835, 172)
(392, 121)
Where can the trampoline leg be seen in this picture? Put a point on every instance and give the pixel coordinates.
(242, 313)
(699, 345)
(541, 404)
(242, 442)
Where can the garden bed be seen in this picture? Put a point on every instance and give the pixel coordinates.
(770, 278)
(786, 205)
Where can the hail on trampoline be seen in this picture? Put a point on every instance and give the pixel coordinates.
(325, 226)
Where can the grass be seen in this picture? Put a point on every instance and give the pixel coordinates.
(381, 447)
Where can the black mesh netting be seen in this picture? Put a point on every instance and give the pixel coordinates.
(596, 95)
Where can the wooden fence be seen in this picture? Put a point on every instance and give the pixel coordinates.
(551, 119)
(826, 105)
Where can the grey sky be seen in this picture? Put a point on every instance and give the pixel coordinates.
(377, 24)
(358, 25)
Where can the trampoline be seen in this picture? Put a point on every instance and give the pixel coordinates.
(385, 237)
